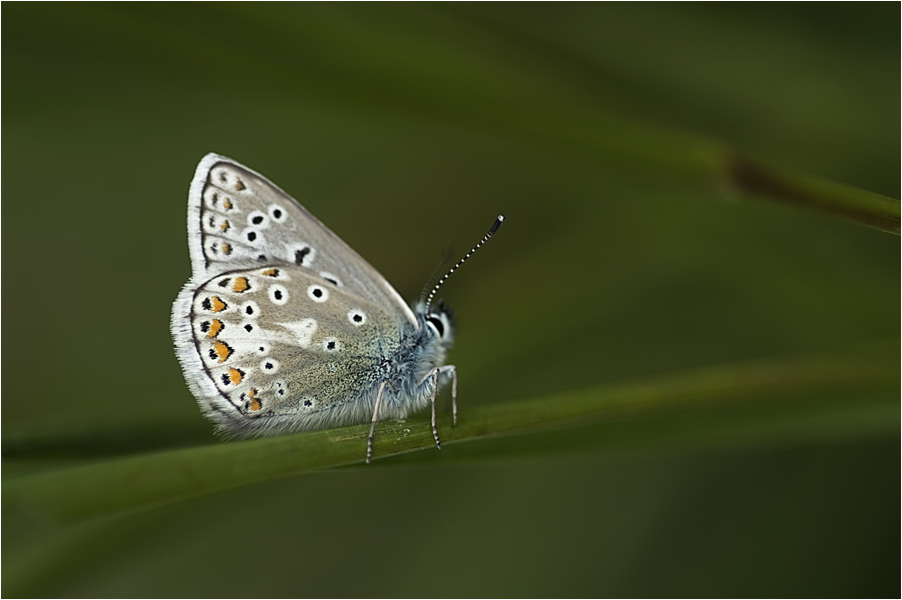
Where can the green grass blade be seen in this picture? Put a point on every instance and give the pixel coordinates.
(159, 477)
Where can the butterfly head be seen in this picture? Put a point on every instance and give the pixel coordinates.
(437, 321)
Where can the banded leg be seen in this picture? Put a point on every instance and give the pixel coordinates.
(453, 370)
(369, 441)
(435, 374)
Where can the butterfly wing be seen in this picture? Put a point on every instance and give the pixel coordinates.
(269, 280)
(274, 359)
(239, 219)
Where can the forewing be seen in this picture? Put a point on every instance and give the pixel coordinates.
(238, 219)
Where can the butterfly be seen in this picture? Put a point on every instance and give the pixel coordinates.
(283, 327)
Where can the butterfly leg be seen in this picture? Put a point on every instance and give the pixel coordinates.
(453, 371)
(369, 440)
(435, 376)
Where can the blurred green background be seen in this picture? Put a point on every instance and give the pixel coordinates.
(602, 131)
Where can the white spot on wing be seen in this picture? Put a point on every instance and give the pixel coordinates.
(249, 309)
(226, 178)
(278, 294)
(215, 199)
(317, 293)
(357, 317)
(330, 278)
(277, 213)
(303, 330)
(214, 224)
(302, 251)
(253, 236)
(257, 218)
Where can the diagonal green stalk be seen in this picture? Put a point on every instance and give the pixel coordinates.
(807, 191)
(159, 477)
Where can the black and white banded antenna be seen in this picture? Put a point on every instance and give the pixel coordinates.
(485, 238)
(440, 269)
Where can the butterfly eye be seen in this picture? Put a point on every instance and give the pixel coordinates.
(436, 324)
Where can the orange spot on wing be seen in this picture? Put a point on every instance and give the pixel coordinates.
(224, 226)
(222, 351)
(239, 185)
(226, 249)
(241, 285)
(215, 327)
(255, 403)
(271, 272)
(227, 204)
(235, 376)
(217, 304)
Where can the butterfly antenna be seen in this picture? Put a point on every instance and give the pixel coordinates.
(440, 268)
(485, 238)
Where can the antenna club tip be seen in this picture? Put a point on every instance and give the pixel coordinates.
(495, 227)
